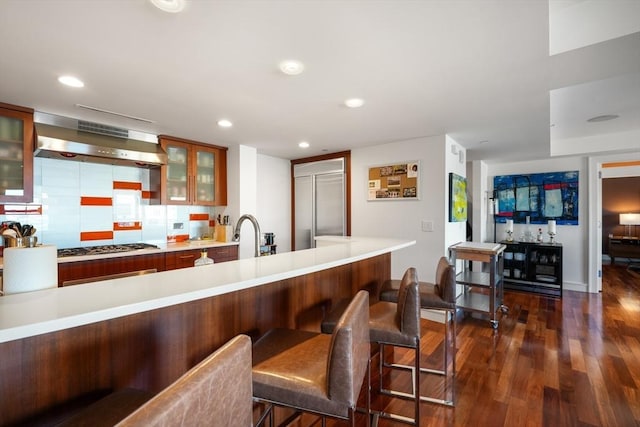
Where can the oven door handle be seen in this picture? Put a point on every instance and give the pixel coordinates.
(108, 277)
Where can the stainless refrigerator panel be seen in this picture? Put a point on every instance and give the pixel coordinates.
(329, 205)
(303, 212)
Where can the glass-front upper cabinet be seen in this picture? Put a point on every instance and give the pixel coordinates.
(177, 175)
(195, 174)
(205, 176)
(16, 154)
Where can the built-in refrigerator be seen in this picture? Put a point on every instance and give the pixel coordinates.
(319, 201)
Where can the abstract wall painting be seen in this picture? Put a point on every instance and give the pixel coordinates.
(457, 198)
(539, 196)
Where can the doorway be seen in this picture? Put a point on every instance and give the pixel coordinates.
(601, 168)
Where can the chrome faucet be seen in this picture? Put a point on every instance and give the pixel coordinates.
(256, 228)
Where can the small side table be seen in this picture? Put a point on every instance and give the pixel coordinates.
(483, 292)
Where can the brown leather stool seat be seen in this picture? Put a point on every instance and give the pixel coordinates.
(315, 372)
(440, 295)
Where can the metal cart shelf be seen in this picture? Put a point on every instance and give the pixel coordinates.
(483, 291)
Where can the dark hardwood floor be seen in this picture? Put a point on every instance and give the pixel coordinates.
(552, 362)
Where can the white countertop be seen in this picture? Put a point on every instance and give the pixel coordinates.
(33, 313)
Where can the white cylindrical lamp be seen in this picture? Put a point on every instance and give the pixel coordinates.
(509, 230)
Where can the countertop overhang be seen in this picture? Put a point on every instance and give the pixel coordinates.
(33, 313)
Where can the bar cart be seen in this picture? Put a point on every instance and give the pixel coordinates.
(482, 291)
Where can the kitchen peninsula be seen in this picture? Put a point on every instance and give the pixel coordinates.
(59, 344)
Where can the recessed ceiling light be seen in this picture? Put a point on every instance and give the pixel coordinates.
(303, 144)
(291, 67)
(171, 6)
(224, 123)
(603, 118)
(354, 102)
(71, 81)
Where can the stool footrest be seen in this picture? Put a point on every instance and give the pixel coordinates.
(395, 417)
(410, 368)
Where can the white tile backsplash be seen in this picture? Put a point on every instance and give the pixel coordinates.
(60, 178)
(131, 174)
(96, 218)
(127, 236)
(59, 185)
(127, 205)
(96, 180)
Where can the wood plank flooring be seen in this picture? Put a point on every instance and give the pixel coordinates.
(573, 361)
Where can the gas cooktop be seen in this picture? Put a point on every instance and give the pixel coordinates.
(104, 249)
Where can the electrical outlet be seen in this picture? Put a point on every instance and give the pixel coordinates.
(178, 225)
(427, 226)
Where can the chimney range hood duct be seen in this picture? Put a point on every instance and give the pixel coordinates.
(72, 139)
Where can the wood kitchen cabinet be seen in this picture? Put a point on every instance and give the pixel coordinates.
(16, 154)
(195, 174)
(184, 259)
(73, 273)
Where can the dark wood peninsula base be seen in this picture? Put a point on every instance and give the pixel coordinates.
(149, 350)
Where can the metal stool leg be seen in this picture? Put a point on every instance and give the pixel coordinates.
(449, 339)
(415, 383)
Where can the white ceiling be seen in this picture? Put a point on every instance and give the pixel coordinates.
(476, 70)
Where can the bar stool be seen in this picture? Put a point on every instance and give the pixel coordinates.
(314, 372)
(216, 392)
(395, 324)
(440, 296)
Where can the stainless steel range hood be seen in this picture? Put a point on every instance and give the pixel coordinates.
(72, 139)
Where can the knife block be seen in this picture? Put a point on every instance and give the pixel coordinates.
(224, 233)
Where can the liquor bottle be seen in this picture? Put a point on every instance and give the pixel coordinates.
(203, 260)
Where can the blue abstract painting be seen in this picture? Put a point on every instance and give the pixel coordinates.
(539, 196)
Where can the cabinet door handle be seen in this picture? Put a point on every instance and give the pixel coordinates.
(186, 256)
(193, 189)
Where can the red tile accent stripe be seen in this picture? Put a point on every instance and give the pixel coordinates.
(124, 185)
(146, 194)
(199, 217)
(96, 201)
(96, 235)
(21, 209)
(212, 223)
(133, 225)
(182, 237)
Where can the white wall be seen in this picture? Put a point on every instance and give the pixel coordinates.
(259, 185)
(455, 161)
(274, 199)
(241, 194)
(403, 218)
(574, 238)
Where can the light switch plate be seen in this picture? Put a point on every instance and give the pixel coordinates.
(427, 226)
